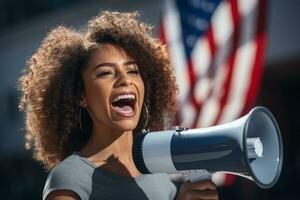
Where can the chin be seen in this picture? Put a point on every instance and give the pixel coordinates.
(126, 125)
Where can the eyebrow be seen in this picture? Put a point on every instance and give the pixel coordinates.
(130, 62)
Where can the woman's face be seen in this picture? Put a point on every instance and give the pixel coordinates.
(114, 89)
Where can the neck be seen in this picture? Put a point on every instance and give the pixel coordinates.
(102, 146)
(112, 153)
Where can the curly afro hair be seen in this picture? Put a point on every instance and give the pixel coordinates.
(52, 83)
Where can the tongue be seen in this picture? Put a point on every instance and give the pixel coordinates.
(124, 110)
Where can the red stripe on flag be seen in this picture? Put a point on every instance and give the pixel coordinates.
(192, 80)
(163, 40)
(229, 180)
(257, 71)
(231, 60)
(162, 35)
(212, 48)
(195, 103)
(211, 42)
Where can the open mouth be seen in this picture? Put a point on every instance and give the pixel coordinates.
(124, 104)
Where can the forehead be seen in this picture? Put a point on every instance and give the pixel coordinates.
(108, 53)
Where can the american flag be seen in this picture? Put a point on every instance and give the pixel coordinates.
(217, 49)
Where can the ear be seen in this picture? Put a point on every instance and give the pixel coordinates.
(82, 101)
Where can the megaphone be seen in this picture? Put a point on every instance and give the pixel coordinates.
(250, 146)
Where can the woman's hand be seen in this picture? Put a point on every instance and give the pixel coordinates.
(205, 189)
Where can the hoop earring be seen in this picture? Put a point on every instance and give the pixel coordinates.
(147, 117)
(79, 119)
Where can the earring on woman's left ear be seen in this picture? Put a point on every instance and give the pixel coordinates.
(79, 118)
(144, 130)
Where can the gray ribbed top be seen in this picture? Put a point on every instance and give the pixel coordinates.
(88, 181)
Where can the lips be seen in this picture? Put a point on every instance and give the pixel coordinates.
(124, 104)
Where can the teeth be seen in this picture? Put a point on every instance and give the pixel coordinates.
(127, 96)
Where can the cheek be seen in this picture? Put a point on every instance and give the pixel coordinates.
(97, 96)
(142, 89)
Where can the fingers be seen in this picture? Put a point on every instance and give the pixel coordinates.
(203, 185)
(204, 194)
(204, 190)
(191, 194)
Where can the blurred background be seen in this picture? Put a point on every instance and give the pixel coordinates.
(23, 25)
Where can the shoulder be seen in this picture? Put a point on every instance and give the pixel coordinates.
(169, 185)
(72, 174)
(158, 186)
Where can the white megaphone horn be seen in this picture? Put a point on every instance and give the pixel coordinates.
(250, 146)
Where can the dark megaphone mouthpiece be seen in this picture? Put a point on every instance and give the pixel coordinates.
(250, 146)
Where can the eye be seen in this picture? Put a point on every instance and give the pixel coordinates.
(104, 74)
(133, 71)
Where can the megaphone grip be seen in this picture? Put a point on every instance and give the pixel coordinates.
(196, 175)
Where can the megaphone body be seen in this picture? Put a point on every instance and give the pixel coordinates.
(250, 147)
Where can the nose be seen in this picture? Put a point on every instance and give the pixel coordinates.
(124, 80)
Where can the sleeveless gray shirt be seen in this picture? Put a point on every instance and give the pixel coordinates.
(89, 182)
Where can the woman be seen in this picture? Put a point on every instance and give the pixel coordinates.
(86, 95)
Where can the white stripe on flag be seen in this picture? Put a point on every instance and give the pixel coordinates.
(219, 178)
(172, 29)
(222, 31)
(247, 6)
(201, 57)
(243, 66)
(239, 83)
(187, 114)
(211, 106)
(222, 28)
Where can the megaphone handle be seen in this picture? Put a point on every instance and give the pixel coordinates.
(197, 175)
